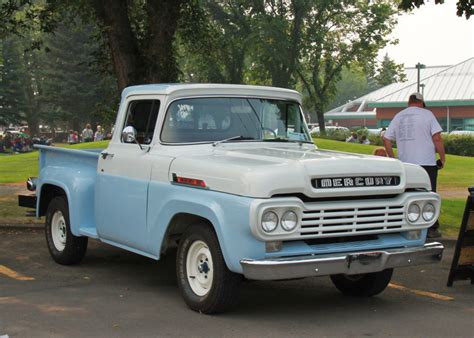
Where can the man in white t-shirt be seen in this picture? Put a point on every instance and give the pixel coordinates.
(418, 136)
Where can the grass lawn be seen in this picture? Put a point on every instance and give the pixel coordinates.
(452, 211)
(18, 167)
(11, 213)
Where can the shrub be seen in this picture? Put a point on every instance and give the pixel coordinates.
(462, 145)
(334, 134)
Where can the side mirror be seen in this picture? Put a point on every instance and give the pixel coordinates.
(129, 135)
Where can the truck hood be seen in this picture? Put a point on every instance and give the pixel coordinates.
(262, 171)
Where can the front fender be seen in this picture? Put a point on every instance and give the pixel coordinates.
(229, 215)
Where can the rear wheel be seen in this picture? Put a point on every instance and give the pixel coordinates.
(64, 247)
(364, 285)
(206, 284)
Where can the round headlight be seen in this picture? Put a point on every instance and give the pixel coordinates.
(289, 220)
(269, 221)
(413, 212)
(429, 212)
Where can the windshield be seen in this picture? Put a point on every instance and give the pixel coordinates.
(215, 119)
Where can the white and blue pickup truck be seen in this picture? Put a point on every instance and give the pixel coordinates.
(230, 176)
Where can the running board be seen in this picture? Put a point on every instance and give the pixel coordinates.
(89, 232)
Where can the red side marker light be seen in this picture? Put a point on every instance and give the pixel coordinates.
(189, 181)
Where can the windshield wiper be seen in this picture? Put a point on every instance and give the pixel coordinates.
(238, 137)
(280, 139)
(276, 139)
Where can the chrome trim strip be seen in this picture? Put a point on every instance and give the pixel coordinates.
(342, 263)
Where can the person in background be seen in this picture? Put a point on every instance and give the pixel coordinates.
(382, 132)
(352, 138)
(2, 146)
(418, 136)
(364, 140)
(87, 134)
(71, 137)
(380, 152)
(99, 134)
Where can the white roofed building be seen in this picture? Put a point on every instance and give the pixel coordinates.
(448, 93)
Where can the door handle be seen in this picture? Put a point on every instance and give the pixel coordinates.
(105, 154)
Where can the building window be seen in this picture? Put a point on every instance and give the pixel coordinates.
(469, 124)
(456, 124)
(443, 123)
(384, 123)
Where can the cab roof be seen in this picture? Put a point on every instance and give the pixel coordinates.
(201, 89)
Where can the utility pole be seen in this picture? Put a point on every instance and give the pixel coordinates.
(422, 89)
(419, 67)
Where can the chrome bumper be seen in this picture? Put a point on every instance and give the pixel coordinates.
(342, 263)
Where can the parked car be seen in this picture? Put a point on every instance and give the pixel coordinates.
(462, 133)
(229, 175)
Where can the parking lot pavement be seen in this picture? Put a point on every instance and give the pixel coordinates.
(116, 293)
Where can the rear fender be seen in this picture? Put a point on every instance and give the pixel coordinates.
(78, 186)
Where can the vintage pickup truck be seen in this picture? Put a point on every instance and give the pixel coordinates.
(230, 176)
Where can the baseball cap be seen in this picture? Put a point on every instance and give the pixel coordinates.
(417, 96)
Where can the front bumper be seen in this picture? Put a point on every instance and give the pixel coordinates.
(342, 263)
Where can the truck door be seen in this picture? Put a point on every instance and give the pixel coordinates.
(123, 176)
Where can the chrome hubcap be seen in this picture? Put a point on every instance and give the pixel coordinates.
(199, 268)
(58, 230)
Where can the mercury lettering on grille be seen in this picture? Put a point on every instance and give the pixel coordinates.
(355, 182)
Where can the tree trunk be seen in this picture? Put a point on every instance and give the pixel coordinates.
(163, 16)
(116, 28)
(322, 125)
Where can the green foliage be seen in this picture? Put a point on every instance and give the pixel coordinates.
(463, 7)
(73, 92)
(13, 97)
(462, 145)
(215, 37)
(353, 83)
(336, 35)
(389, 72)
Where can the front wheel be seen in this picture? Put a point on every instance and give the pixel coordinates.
(364, 285)
(206, 284)
(64, 247)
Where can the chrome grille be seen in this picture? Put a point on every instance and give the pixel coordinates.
(321, 221)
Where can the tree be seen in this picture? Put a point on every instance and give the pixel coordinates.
(353, 83)
(13, 97)
(73, 92)
(216, 39)
(277, 40)
(389, 72)
(337, 34)
(19, 84)
(139, 34)
(463, 7)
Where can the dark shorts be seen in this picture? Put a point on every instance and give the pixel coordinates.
(432, 171)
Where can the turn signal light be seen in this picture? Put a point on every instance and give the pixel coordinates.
(189, 181)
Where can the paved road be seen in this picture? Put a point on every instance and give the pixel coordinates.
(115, 293)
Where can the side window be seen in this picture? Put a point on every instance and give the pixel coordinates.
(142, 115)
